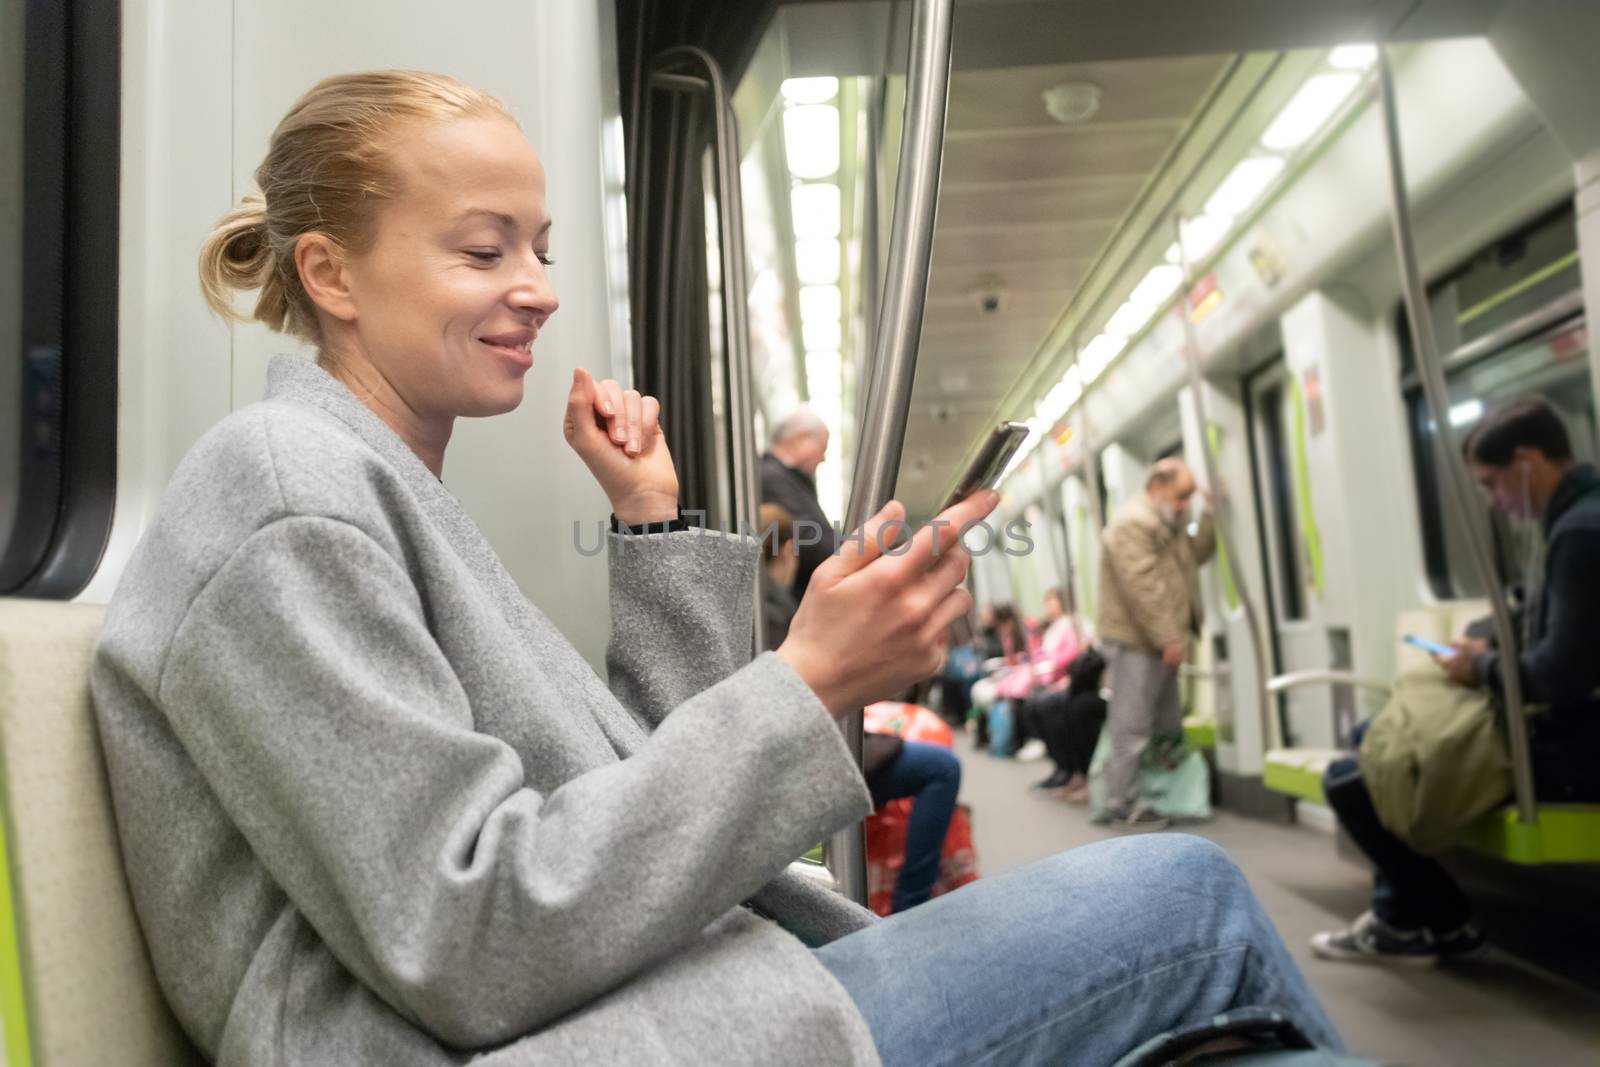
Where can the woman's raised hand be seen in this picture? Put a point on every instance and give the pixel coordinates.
(617, 434)
(872, 622)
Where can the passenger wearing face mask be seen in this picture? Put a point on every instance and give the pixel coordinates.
(1149, 610)
(1522, 457)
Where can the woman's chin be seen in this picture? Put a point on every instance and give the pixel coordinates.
(498, 399)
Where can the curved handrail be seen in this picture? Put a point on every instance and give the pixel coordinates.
(735, 287)
(1431, 370)
(898, 330)
(1296, 679)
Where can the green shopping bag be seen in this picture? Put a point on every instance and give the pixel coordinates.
(1173, 777)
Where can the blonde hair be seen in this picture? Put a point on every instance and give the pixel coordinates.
(327, 171)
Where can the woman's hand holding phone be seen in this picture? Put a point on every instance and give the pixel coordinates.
(871, 623)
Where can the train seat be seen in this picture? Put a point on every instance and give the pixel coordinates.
(1561, 833)
(75, 979)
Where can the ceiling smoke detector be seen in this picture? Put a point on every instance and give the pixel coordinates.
(1072, 102)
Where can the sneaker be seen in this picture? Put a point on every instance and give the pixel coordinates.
(1142, 817)
(1056, 780)
(1466, 942)
(1074, 794)
(1371, 940)
(1033, 750)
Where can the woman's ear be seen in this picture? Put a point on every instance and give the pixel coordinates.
(325, 275)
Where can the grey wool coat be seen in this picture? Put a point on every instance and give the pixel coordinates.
(375, 809)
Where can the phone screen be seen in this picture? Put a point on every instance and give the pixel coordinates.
(990, 462)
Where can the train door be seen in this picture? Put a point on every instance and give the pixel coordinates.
(1289, 545)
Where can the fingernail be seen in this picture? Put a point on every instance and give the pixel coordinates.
(605, 406)
(633, 444)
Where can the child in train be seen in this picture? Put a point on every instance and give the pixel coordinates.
(375, 808)
(1523, 458)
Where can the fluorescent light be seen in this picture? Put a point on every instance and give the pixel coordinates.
(815, 210)
(1098, 354)
(1155, 288)
(821, 334)
(1308, 110)
(1466, 411)
(1129, 319)
(817, 261)
(1061, 397)
(819, 303)
(1243, 185)
(1200, 236)
(1354, 56)
(811, 140)
(809, 90)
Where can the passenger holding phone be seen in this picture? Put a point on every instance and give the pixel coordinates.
(1522, 457)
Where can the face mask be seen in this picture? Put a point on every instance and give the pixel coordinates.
(1169, 514)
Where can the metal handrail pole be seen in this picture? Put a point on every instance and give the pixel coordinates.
(735, 295)
(1431, 372)
(1222, 520)
(898, 330)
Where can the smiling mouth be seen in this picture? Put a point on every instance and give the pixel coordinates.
(520, 351)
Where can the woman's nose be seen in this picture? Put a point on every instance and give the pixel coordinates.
(534, 292)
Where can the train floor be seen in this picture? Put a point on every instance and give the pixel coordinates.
(1494, 1011)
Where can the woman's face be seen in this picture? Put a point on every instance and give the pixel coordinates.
(452, 293)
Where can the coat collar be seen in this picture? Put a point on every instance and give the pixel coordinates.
(1578, 482)
(299, 380)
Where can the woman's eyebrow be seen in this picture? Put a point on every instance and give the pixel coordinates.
(506, 221)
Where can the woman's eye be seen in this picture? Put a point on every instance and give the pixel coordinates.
(484, 256)
(546, 258)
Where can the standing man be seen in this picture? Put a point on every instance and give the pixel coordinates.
(1149, 610)
(789, 478)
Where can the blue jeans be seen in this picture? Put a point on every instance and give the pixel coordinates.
(1073, 960)
(932, 775)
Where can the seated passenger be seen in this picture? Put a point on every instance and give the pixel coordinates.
(1070, 719)
(930, 775)
(1523, 459)
(375, 809)
(780, 562)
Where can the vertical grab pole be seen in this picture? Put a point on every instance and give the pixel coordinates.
(735, 295)
(899, 327)
(1272, 730)
(1430, 370)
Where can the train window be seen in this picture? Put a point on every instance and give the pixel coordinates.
(1525, 338)
(59, 85)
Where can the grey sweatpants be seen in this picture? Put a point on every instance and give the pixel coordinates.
(1144, 703)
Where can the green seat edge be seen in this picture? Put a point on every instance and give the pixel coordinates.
(1300, 782)
(1200, 731)
(13, 999)
(1560, 833)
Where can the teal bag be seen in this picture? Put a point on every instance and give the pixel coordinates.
(1173, 777)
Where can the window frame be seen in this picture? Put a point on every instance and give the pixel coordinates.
(67, 340)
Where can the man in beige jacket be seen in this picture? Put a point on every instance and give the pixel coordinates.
(1149, 609)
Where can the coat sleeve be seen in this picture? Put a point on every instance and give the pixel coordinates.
(682, 616)
(1205, 538)
(305, 684)
(1147, 578)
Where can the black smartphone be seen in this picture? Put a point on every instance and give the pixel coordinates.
(990, 462)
